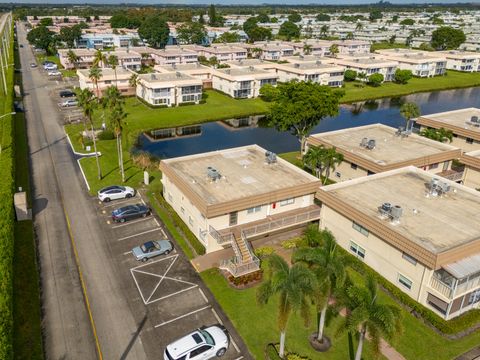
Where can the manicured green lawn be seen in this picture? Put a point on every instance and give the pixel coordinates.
(452, 80)
(258, 325)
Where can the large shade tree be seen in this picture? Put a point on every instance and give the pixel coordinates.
(155, 30)
(447, 38)
(300, 106)
(293, 285)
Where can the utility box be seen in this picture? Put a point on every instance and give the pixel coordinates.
(21, 207)
(146, 178)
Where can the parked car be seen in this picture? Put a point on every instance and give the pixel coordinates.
(66, 93)
(46, 62)
(21, 45)
(50, 67)
(130, 212)
(68, 103)
(33, 65)
(151, 249)
(54, 73)
(115, 192)
(204, 343)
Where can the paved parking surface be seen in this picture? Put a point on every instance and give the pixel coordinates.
(166, 288)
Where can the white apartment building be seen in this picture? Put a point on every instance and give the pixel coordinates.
(466, 61)
(224, 53)
(471, 172)
(174, 55)
(169, 89)
(126, 58)
(242, 82)
(318, 72)
(421, 64)
(369, 65)
(119, 78)
(418, 231)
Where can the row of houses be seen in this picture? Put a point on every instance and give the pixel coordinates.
(394, 207)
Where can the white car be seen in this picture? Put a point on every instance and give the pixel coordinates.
(203, 343)
(115, 192)
(50, 67)
(54, 73)
(68, 103)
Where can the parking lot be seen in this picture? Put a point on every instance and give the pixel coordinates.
(167, 288)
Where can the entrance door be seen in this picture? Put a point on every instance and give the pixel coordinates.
(233, 218)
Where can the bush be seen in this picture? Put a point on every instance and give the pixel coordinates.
(246, 279)
(187, 103)
(402, 76)
(289, 244)
(106, 135)
(375, 79)
(350, 75)
(264, 251)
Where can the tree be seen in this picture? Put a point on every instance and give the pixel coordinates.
(294, 18)
(324, 30)
(268, 92)
(201, 20)
(113, 63)
(307, 49)
(191, 33)
(402, 76)
(375, 14)
(359, 26)
(294, 286)
(86, 101)
(349, 36)
(441, 135)
(70, 34)
(409, 111)
(365, 314)
(289, 30)
(228, 37)
(213, 18)
(41, 38)
(299, 106)
(99, 58)
(407, 22)
(350, 75)
(334, 50)
(447, 38)
(250, 24)
(392, 39)
(313, 159)
(260, 34)
(46, 22)
(329, 268)
(155, 30)
(426, 47)
(323, 17)
(133, 82)
(375, 79)
(72, 58)
(330, 159)
(122, 20)
(263, 18)
(95, 74)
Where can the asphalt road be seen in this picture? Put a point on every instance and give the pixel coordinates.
(136, 308)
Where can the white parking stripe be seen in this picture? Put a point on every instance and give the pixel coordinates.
(173, 294)
(130, 222)
(164, 234)
(142, 233)
(182, 316)
(138, 287)
(217, 317)
(153, 262)
(235, 345)
(161, 279)
(127, 252)
(117, 202)
(239, 358)
(203, 295)
(156, 222)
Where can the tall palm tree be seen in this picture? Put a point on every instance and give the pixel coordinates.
(313, 159)
(365, 314)
(349, 36)
(294, 285)
(99, 59)
(133, 82)
(334, 50)
(112, 97)
(72, 58)
(359, 26)
(324, 30)
(113, 63)
(409, 111)
(117, 121)
(86, 100)
(329, 267)
(331, 159)
(307, 49)
(95, 74)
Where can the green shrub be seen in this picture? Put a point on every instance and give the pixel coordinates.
(187, 103)
(291, 243)
(246, 279)
(264, 251)
(106, 135)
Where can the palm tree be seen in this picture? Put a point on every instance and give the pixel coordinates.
(442, 135)
(313, 159)
(329, 267)
(294, 285)
(95, 74)
(359, 26)
(117, 121)
(334, 50)
(99, 59)
(256, 52)
(86, 102)
(366, 315)
(331, 159)
(307, 49)
(409, 111)
(133, 82)
(72, 58)
(113, 62)
(324, 30)
(112, 97)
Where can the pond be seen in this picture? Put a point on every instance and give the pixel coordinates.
(168, 143)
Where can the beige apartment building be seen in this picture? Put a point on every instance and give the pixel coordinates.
(418, 231)
(318, 72)
(377, 148)
(269, 50)
(169, 89)
(421, 64)
(369, 65)
(195, 70)
(174, 55)
(471, 177)
(464, 124)
(120, 78)
(228, 198)
(242, 82)
(467, 61)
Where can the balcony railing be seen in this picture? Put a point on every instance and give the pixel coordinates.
(441, 287)
(451, 175)
(221, 239)
(240, 269)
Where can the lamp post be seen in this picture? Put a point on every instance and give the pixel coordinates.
(10, 113)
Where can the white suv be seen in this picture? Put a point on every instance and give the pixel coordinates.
(115, 192)
(204, 344)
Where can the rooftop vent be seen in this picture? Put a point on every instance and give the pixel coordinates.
(368, 143)
(438, 187)
(389, 211)
(297, 65)
(402, 132)
(153, 77)
(251, 68)
(178, 74)
(270, 157)
(213, 174)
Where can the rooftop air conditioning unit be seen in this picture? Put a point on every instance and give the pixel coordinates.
(371, 144)
(213, 174)
(270, 157)
(385, 209)
(474, 119)
(396, 212)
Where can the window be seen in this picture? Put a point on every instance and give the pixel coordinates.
(287, 202)
(190, 220)
(469, 140)
(354, 166)
(434, 166)
(474, 297)
(170, 198)
(337, 174)
(189, 98)
(199, 351)
(370, 173)
(254, 209)
(360, 229)
(182, 210)
(357, 250)
(409, 258)
(404, 281)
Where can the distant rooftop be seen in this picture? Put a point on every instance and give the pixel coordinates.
(168, 77)
(459, 121)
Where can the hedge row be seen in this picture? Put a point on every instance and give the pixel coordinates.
(454, 328)
(7, 217)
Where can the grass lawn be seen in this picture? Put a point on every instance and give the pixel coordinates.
(452, 80)
(241, 308)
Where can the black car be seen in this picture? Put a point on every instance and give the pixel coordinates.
(130, 212)
(66, 93)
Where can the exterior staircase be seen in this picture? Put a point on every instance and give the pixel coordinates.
(244, 261)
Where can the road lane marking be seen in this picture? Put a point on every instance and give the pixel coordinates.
(239, 358)
(130, 222)
(182, 316)
(134, 235)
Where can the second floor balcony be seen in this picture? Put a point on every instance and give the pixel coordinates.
(465, 280)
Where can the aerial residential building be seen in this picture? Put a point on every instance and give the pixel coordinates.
(174, 55)
(464, 124)
(462, 60)
(418, 231)
(224, 53)
(311, 47)
(119, 78)
(269, 50)
(376, 148)
(85, 58)
(369, 65)
(471, 172)
(352, 47)
(127, 58)
(421, 64)
(242, 82)
(195, 70)
(169, 89)
(230, 197)
(102, 41)
(256, 63)
(318, 72)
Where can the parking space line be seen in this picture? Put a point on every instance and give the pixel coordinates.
(217, 317)
(203, 295)
(138, 287)
(131, 222)
(153, 262)
(163, 232)
(117, 202)
(156, 222)
(142, 233)
(234, 344)
(173, 294)
(239, 358)
(127, 252)
(182, 316)
(161, 280)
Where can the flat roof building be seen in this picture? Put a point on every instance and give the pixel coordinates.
(378, 148)
(467, 61)
(464, 123)
(471, 177)
(420, 63)
(120, 78)
(418, 231)
(230, 197)
(243, 82)
(369, 65)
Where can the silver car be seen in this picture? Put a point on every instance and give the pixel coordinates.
(151, 249)
(68, 103)
(115, 192)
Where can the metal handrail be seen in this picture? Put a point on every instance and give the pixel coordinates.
(221, 239)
